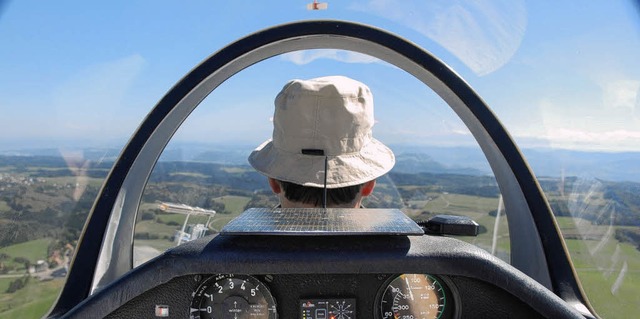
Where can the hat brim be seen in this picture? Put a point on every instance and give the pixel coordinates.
(374, 160)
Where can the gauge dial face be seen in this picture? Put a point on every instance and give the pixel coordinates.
(233, 297)
(413, 296)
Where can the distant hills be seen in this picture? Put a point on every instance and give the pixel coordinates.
(225, 171)
(622, 166)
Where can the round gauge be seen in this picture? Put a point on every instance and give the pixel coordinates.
(414, 296)
(233, 297)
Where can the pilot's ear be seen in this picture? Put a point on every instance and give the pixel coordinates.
(275, 186)
(367, 188)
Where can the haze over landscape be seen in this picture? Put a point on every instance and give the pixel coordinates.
(612, 166)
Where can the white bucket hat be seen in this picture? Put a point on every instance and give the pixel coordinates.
(330, 116)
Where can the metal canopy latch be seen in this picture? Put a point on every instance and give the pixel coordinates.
(450, 225)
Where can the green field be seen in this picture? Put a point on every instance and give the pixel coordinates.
(160, 244)
(235, 169)
(4, 284)
(220, 220)
(32, 301)
(189, 174)
(608, 270)
(4, 207)
(461, 204)
(72, 180)
(599, 273)
(152, 227)
(179, 218)
(474, 207)
(35, 299)
(32, 250)
(233, 204)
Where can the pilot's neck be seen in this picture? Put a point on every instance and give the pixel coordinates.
(285, 203)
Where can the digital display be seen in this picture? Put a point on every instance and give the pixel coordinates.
(328, 309)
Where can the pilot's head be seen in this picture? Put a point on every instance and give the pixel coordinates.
(317, 120)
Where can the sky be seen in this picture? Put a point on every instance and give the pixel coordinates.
(556, 73)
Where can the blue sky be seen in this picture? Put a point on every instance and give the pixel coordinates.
(557, 74)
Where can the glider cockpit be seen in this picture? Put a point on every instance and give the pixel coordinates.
(387, 274)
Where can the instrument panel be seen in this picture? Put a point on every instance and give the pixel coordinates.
(403, 296)
(377, 278)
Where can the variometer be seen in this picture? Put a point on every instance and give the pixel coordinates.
(232, 296)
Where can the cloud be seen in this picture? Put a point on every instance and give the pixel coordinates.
(603, 117)
(306, 57)
(482, 35)
(613, 140)
(593, 137)
(621, 94)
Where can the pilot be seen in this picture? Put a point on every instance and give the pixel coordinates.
(322, 138)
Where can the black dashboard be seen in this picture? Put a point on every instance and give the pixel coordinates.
(302, 296)
(315, 277)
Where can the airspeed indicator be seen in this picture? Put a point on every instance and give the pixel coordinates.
(413, 296)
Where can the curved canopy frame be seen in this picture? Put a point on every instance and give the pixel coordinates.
(537, 248)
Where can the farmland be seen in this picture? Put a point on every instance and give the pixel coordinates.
(43, 207)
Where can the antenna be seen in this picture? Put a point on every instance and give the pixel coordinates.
(324, 186)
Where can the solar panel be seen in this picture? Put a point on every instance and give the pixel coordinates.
(322, 221)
